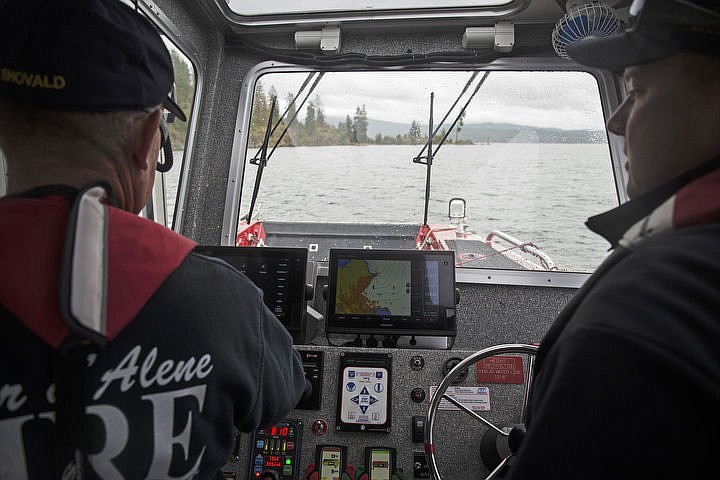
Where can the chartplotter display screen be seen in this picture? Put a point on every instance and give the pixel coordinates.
(398, 292)
(278, 272)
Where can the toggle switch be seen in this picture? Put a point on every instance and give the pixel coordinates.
(418, 428)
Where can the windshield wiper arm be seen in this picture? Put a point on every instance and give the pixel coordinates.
(462, 110)
(457, 99)
(261, 156)
(292, 119)
(261, 162)
(428, 159)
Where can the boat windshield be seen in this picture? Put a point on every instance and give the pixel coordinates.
(526, 151)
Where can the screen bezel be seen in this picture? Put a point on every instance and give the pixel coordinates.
(297, 281)
(444, 325)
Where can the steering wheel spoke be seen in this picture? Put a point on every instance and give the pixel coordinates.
(499, 468)
(473, 413)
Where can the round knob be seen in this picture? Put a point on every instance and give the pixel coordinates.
(417, 395)
(417, 362)
(450, 364)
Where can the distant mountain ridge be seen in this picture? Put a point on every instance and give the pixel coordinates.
(490, 132)
(511, 133)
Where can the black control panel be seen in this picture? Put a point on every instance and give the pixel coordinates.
(276, 452)
(365, 416)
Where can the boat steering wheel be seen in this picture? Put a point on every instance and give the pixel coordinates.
(494, 460)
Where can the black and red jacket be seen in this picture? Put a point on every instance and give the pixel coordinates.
(193, 353)
(627, 381)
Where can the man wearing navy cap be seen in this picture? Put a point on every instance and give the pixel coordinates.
(628, 376)
(123, 354)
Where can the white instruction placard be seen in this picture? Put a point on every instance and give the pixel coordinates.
(476, 399)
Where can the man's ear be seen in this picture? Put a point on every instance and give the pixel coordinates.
(145, 129)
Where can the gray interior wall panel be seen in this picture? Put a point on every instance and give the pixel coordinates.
(208, 183)
(490, 314)
(206, 191)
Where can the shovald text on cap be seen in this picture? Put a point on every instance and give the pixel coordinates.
(83, 55)
(656, 29)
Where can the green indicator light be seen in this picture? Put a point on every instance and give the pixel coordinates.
(288, 461)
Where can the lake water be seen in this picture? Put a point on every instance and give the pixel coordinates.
(539, 193)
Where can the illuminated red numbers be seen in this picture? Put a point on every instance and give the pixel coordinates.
(273, 461)
(282, 431)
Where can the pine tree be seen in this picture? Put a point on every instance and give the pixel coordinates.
(460, 125)
(273, 96)
(319, 113)
(310, 121)
(258, 118)
(415, 135)
(184, 95)
(292, 135)
(350, 127)
(361, 124)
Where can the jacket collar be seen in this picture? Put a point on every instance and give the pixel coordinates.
(671, 205)
(47, 190)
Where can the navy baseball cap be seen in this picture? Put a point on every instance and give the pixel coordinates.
(656, 29)
(83, 55)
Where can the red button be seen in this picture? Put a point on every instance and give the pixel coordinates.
(319, 427)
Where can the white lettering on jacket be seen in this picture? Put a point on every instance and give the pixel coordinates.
(167, 372)
(163, 432)
(168, 438)
(11, 397)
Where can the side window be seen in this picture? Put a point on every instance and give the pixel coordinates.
(513, 178)
(185, 82)
(165, 192)
(161, 207)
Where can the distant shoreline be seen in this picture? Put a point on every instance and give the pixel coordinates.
(598, 141)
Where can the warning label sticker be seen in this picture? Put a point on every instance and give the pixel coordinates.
(501, 369)
(476, 399)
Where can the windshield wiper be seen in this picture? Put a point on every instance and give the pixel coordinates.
(428, 158)
(254, 160)
(457, 117)
(261, 156)
(262, 161)
(462, 110)
(457, 99)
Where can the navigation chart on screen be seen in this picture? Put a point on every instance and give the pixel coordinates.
(373, 287)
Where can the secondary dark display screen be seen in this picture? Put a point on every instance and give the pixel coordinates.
(392, 292)
(278, 272)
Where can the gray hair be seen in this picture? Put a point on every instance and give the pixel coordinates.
(82, 135)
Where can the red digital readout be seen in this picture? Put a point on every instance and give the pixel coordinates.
(273, 461)
(281, 431)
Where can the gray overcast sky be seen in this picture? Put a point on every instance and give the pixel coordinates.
(567, 100)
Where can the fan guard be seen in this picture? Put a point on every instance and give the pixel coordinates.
(581, 21)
